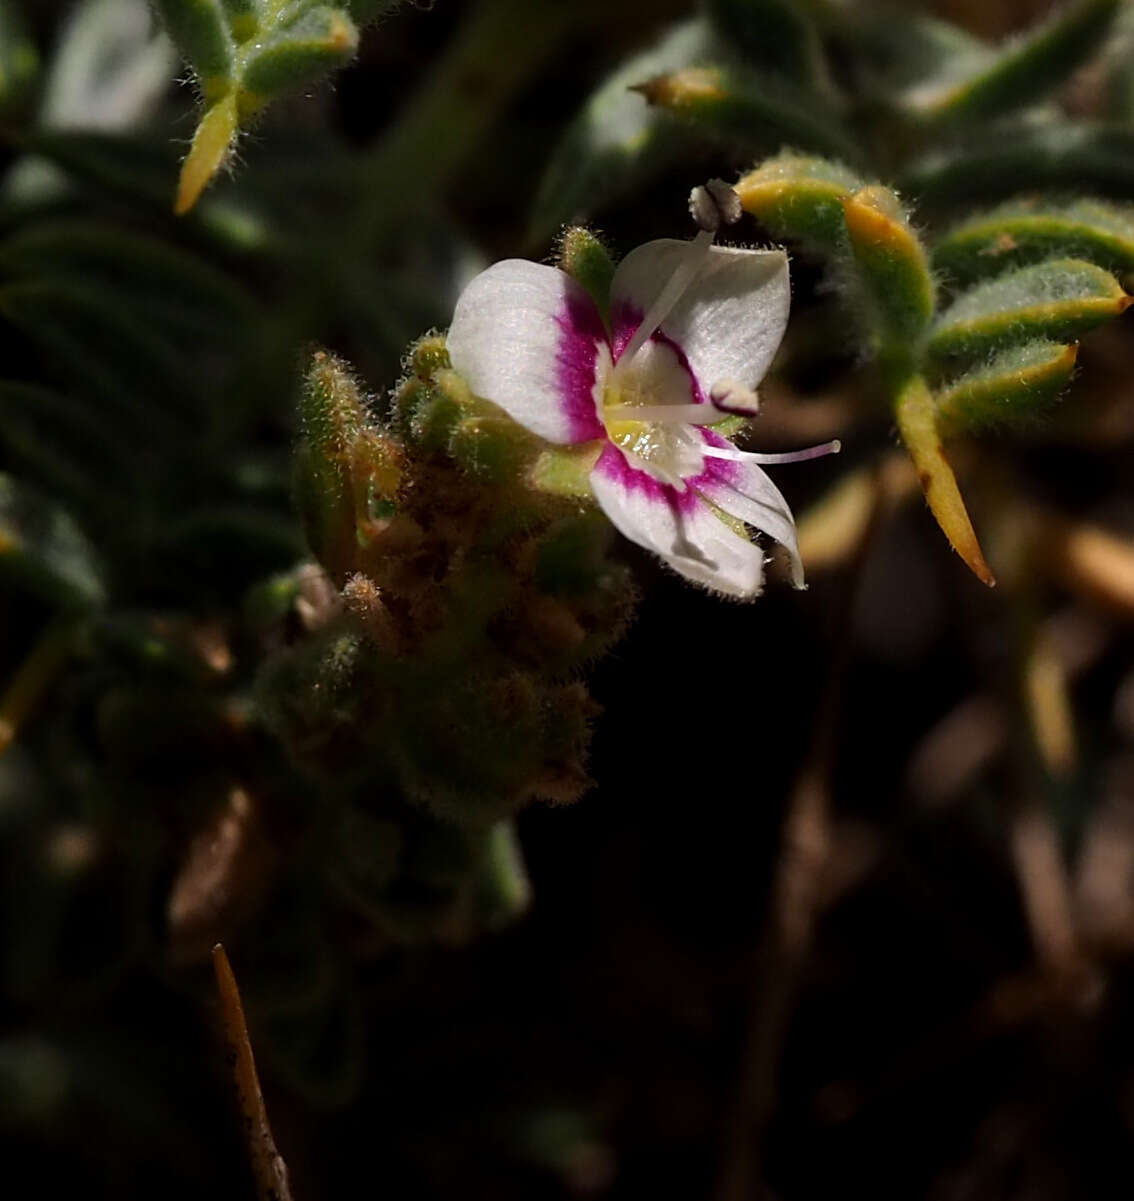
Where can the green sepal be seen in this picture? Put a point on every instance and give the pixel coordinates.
(1016, 386)
(429, 355)
(1027, 231)
(798, 198)
(489, 445)
(1028, 69)
(425, 414)
(1086, 157)
(565, 470)
(291, 58)
(773, 35)
(200, 30)
(892, 268)
(347, 470)
(42, 549)
(1055, 301)
(744, 108)
(618, 140)
(583, 256)
(19, 59)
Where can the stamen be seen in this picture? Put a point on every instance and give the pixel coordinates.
(691, 262)
(715, 204)
(791, 456)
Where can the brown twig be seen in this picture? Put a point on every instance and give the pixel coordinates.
(267, 1163)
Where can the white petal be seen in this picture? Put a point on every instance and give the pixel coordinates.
(676, 525)
(743, 489)
(529, 338)
(730, 320)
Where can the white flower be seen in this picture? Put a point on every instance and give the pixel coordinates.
(693, 329)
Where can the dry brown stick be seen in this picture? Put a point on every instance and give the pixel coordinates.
(267, 1163)
(797, 894)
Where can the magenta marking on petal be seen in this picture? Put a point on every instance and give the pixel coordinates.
(717, 471)
(625, 320)
(581, 335)
(618, 469)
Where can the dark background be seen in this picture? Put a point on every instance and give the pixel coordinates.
(647, 1025)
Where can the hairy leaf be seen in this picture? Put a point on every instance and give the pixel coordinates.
(1054, 301)
(1016, 386)
(1026, 231)
(1024, 71)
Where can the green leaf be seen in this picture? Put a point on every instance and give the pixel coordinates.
(1026, 231)
(19, 59)
(1026, 70)
(99, 350)
(1087, 157)
(319, 41)
(902, 52)
(893, 269)
(243, 18)
(1016, 386)
(618, 140)
(798, 198)
(62, 444)
(773, 35)
(757, 113)
(1054, 301)
(200, 30)
(174, 288)
(41, 548)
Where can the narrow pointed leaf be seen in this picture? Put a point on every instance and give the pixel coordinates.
(61, 444)
(42, 549)
(101, 352)
(173, 286)
(320, 40)
(917, 423)
(758, 113)
(892, 266)
(200, 31)
(1027, 231)
(1087, 157)
(1013, 389)
(618, 140)
(1026, 70)
(211, 145)
(1057, 301)
(905, 53)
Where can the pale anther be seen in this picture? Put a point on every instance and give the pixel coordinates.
(714, 204)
